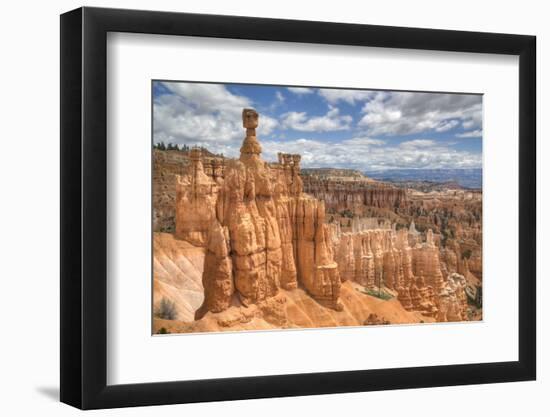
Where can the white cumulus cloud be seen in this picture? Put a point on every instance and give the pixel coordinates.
(195, 113)
(331, 121)
(333, 95)
(404, 113)
(300, 90)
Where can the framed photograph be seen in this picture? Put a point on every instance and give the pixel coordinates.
(259, 208)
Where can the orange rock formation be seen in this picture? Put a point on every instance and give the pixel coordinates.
(196, 195)
(263, 239)
(384, 258)
(167, 165)
(262, 233)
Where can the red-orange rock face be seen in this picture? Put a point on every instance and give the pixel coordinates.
(375, 257)
(261, 231)
(167, 166)
(196, 195)
(217, 276)
(354, 194)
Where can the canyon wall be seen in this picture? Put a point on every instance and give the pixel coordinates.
(167, 165)
(455, 216)
(353, 193)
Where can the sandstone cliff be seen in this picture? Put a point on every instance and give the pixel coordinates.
(196, 195)
(353, 194)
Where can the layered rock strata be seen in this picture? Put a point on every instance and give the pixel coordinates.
(166, 166)
(354, 194)
(261, 231)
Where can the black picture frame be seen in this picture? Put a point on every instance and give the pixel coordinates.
(84, 207)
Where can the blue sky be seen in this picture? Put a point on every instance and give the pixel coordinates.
(360, 129)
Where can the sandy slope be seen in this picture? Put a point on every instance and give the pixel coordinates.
(295, 309)
(177, 274)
